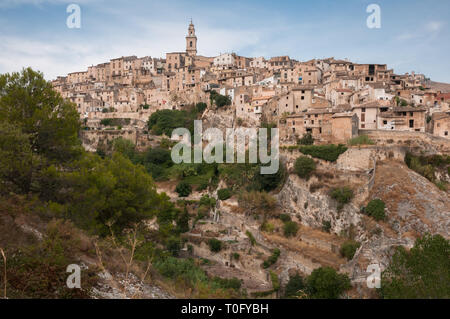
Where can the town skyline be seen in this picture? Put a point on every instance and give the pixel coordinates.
(55, 49)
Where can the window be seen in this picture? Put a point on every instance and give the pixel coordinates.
(446, 133)
(363, 109)
(385, 122)
(411, 123)
(302, 97)
(363, 125)
(363, 117)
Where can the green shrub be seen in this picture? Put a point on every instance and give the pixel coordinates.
(180, 269)
(207, 201)
(200, 107)
(328, 152)
(343, 195)
(290, 229)
(294, 286)
(183, 189)
(251, 238)
(375, 209)
(225, 283)
(326, 226)
(106, 122)
(224, 193)
(275, 281)
(165, 121)
(304, 166)
(219, 100)
(307, 139)
(272, 258)
(421, 272)
(173, 245)
(361, 140)
(285, 218)
(236, 256)
(348, 249)
(326, 283)
(215, 245)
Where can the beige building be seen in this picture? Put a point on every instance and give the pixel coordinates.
(441, 124)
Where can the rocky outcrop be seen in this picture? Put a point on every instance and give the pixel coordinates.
(312, 209)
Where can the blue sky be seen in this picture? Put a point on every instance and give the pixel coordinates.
(414, 35)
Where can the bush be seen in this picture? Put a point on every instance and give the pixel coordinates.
(290, 229)
(328, 153)
(272, 259)
(375, 209)
(326, 226)
(307, 139)
(165, 121)
(285, 218)
(183, 189)
(422, 272)
(219, 100)
(326, 283)
(200, 107)
(106, 122)
(225, 283)
(304, 166)
(224, 193)
(348, 249)
(275, 281)
(182, 269)
(294, 286)
(251, 238)
(215, 245)
(361, 140)
(343, 195)
(259, 203)
(207, 201)
(173, 245)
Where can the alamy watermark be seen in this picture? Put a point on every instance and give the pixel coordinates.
(374, 279)
(74, 279)
(213, 152)
(74, 19)
(374, 19)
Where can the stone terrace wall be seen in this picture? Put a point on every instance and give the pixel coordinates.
(415, 140)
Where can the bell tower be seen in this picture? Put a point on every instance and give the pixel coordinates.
(191, 41)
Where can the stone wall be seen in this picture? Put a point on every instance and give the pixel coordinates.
(419, 141)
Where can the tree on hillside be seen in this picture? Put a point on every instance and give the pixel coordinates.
(326, 283)
(422, 272)
(29, 102)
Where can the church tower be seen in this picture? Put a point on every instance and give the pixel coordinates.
(191, 41)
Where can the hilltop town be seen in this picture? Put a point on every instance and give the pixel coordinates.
(364, 169)
(328, 98)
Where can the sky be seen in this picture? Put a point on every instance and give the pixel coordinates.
(414, 35)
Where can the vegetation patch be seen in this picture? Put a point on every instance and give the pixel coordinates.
(304, 167)
(328, 152)
(272, 259)
(343, 195)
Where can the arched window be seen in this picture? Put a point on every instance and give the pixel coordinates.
(190, 44)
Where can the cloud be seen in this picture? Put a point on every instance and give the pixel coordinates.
(434, 26)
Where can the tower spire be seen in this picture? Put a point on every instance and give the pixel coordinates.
(191, 41)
